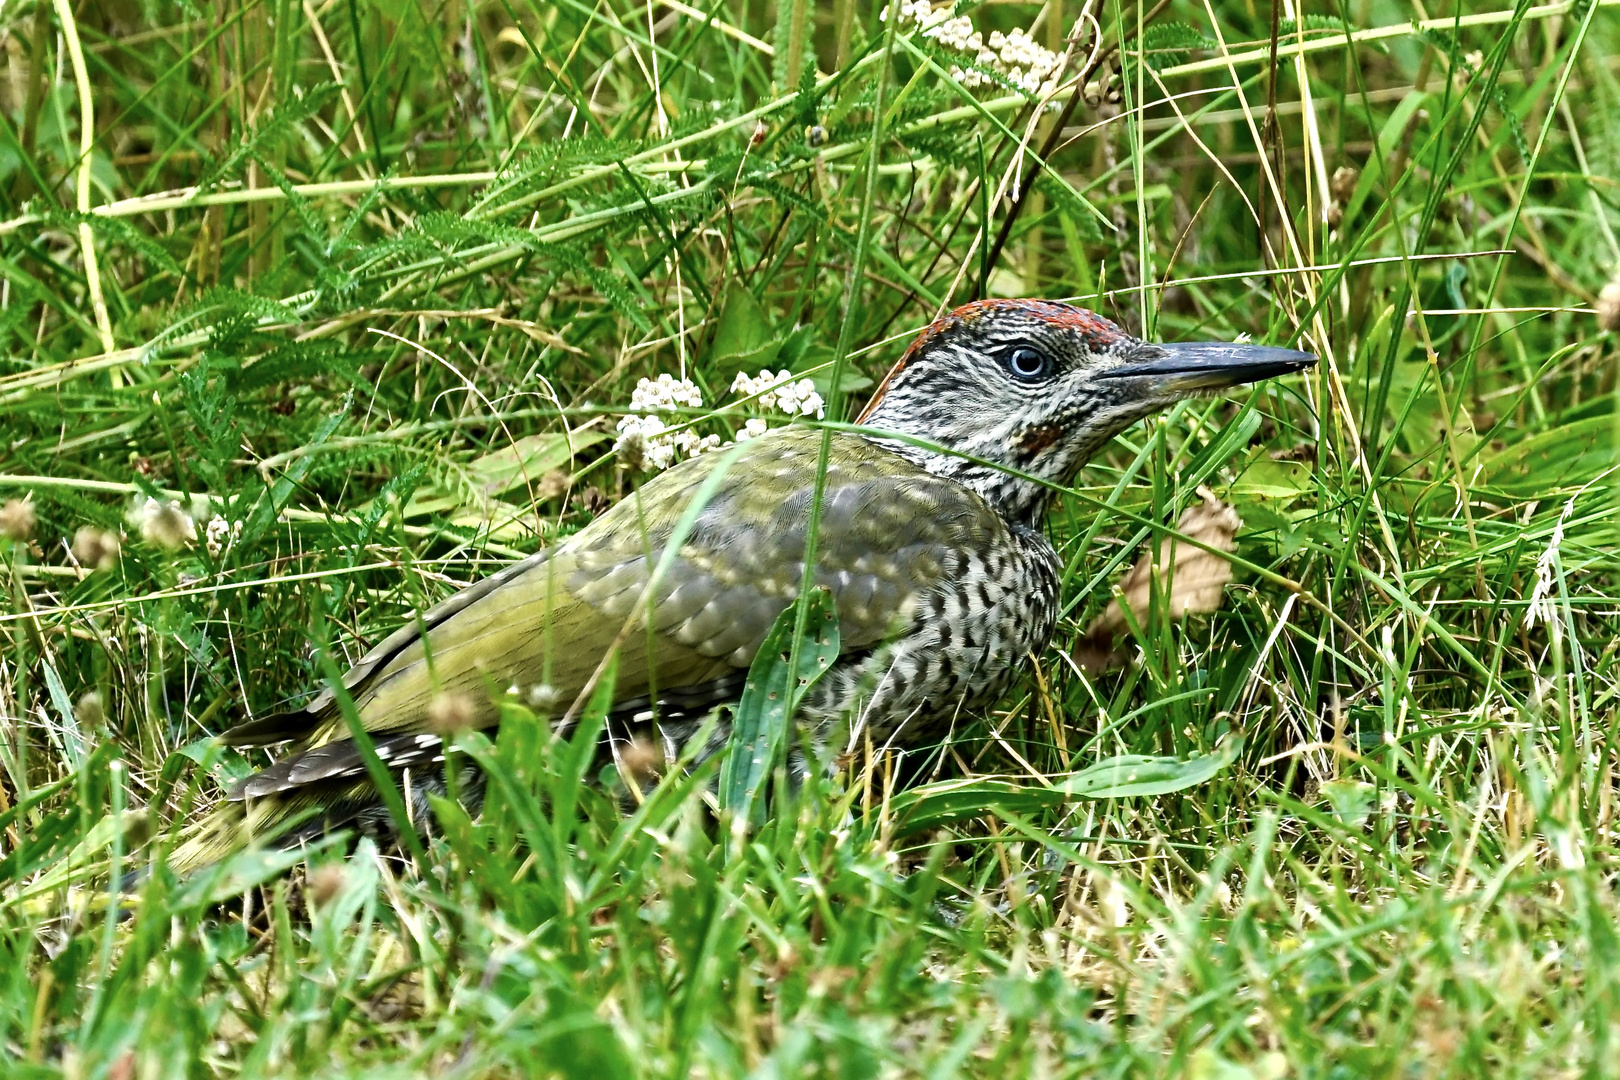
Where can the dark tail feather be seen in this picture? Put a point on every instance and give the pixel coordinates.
(268, 730)
(298, 816)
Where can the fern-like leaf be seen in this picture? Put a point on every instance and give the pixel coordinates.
(281, 120)
(1168, 44)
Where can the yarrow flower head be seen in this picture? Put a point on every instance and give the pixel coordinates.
(651, 440)
(220, 534)
(665, 392)
(780, 391)
(1015, 56)
(648, 442)
(754, 427)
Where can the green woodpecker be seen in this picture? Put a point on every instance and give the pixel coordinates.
(930, 540)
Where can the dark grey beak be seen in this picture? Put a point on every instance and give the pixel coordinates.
(1188, 366)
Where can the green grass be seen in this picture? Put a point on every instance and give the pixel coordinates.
(390, 253)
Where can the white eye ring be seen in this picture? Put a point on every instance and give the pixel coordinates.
(1028, 364)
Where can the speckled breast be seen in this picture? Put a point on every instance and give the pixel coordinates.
(965, 646)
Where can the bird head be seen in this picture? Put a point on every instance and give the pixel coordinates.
(1037, 387)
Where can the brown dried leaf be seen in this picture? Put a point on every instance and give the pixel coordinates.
(1195, 577)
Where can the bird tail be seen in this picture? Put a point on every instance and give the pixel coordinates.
(281, 821)
(220, 833)
(297, 816)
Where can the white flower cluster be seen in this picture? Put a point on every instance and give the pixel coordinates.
(220, 534)
(645, 440)
(648, 443)
(753, 427)
(665, 392)
(164, 523)
(1016, 56)
(781, 392)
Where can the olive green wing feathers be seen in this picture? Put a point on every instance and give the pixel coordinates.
(887, 534)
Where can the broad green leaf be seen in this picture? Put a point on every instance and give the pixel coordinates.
(1564, 457)
(1274, 480)
(770, 695)
(471, 503)
(931, 806)
(805, 354)
(496, 518)
(1207, 1064)
(248, 869)
(744, 338)
(1390, 136)
(1139, 774)
(1351, 800)
(70, 740)
(525, 461)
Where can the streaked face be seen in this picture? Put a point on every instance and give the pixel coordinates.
(1040, 386)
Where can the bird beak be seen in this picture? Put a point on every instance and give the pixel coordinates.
(1189, 366)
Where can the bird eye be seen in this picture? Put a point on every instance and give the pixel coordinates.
(1028, 364)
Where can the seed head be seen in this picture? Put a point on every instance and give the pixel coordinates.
(641, 760)
(544, 698)
(449, 713)
(95, 549)
(1343, 184)
(327, 882)
(90, 712)
(164, 524)
(17, 520)
(631, 446)
(1608, 306)
(553, 485)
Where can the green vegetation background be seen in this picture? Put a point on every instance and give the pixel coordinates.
(370, 277)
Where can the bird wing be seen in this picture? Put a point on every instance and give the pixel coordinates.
(888, 533)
